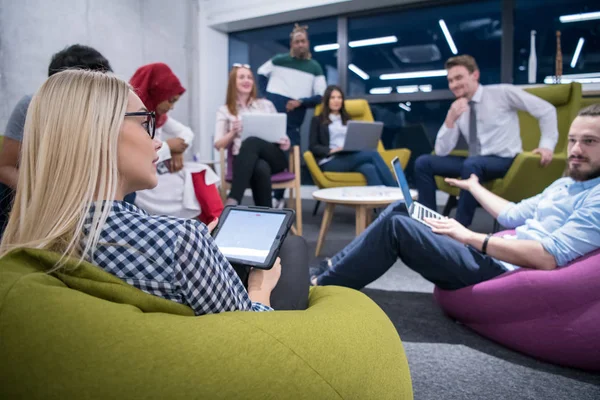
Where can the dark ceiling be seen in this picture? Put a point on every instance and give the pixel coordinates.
(476, 29)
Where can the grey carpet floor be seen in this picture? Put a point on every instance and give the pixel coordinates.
(446, 359)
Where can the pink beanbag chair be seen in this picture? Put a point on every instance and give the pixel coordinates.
(551, 315)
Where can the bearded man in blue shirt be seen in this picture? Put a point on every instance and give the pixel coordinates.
(551, 229)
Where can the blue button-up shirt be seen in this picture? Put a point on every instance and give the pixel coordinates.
(564, 218)
(497, 122)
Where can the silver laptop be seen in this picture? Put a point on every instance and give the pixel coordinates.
(267, 126)
(415, 210)
(362, 135)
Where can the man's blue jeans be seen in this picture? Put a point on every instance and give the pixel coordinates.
(486, 168)
(368, 163)
(440, 259)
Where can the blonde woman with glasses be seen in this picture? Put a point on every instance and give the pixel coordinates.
(90, 135)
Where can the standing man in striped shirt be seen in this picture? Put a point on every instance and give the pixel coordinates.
(293, 82)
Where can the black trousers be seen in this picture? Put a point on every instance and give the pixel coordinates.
(291, 292)
(253, 167)
(7, 196)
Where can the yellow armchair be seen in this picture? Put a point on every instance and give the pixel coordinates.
(526, 177)
(359, 110)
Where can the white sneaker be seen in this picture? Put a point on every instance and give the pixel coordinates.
(279, 204)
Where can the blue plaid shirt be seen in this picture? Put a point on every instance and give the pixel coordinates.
(169, 257)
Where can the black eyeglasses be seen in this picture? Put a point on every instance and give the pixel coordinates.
(238, 65)
(150, 123)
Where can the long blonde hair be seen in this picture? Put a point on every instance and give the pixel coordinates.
(68, 162)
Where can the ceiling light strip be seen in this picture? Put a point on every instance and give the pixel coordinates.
(579, 17)
(448, 37)
(358, 71)
(414, 75)
(577, 52)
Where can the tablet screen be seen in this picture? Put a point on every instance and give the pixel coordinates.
(248, 235)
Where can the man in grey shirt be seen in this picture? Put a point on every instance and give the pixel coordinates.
(75, 56)
(487, 118)
(16, 124)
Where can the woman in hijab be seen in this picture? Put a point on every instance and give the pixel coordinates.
(180, 182)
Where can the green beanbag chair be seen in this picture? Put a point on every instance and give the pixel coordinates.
(85, 334)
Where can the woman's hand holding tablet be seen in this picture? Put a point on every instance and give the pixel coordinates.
(212, 225)
(261, 282)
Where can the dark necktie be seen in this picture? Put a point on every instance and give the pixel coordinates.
(474, 145)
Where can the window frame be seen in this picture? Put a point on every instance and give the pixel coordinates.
(506, 56)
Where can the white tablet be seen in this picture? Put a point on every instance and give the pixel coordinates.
(252, 236)
(267, 126)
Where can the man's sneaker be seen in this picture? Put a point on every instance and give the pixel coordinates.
(319, 268)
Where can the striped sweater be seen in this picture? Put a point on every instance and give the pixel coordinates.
(284, 78)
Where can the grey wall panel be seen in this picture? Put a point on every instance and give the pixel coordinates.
(129, 33)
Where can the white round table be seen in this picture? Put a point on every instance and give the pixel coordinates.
(362, 198)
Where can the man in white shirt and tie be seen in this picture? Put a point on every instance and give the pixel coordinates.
(487, 118)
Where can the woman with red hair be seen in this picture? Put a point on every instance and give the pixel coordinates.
(177, 193)
(255, 159)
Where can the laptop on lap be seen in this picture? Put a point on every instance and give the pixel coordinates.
(362, 135)
(267, 126)
(415, 210)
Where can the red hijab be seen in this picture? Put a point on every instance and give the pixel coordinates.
(155, 83)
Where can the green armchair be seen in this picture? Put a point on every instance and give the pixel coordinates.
(526, 177)
(86, 334)
(588, 101)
